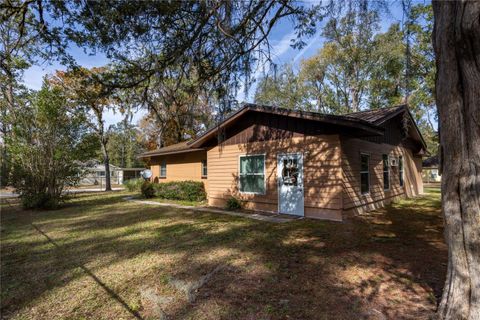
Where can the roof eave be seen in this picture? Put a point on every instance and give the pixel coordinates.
(155, 154)
(360, 124)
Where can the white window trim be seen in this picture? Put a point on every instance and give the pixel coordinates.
(264, 174)
(368, 166)
(160, 169)
(388, 170)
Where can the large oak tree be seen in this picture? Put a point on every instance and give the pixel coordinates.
(457, 47)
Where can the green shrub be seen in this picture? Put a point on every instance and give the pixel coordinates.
(181, 190)
(133, 184)
(147, 189)
(41, 200)
(233, 204)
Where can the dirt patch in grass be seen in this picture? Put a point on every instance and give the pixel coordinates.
(101, 257)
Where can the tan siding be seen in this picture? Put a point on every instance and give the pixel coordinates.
(377, 197)
(180, 167)
(322, 174)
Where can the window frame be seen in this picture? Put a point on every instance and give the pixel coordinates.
(386, 171)
(204, 172)
(163, 163)
(401, 171)
(240, 175)
(368, 173)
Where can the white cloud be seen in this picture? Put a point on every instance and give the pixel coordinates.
(315, 40)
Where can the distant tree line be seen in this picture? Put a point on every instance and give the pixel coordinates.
(361, 68)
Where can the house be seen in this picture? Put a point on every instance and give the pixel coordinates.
(94, 173)
(430, 170)
(301, 163)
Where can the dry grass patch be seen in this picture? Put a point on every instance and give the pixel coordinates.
(101, 257)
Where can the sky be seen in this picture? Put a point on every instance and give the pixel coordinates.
(281, 51)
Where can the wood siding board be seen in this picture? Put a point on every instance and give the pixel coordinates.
(391, 145)
(322, 184)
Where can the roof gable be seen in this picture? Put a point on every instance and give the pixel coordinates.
(363, 125)
(369, 122)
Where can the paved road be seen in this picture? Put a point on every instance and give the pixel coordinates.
(14, 195)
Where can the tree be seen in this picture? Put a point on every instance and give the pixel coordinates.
(456, 40)
(347, 52)
(282, 89)
(219, 40)
(181, 106)
(86, 93)
(16, 55)
(44, 148)
(385, 86)
(124, 144)
(150, 132)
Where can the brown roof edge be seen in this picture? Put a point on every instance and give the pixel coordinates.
(336, 119)
(391, 112)
(162, 153)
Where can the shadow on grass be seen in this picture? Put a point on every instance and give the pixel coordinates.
(303, 269)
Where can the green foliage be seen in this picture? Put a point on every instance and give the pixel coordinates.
(282, 89)
(147, 189)
(124, 145)
(133, 184)
(41, 200)
(359, 68)
(233, 204)
(181, 190)
(44, 148)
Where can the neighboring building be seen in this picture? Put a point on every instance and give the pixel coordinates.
(430, 170)
(303, 163)
(95, 173)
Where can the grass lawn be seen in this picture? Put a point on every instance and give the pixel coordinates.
(101, 257)
(169, 201)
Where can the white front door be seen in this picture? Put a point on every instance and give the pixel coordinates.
(290, 183)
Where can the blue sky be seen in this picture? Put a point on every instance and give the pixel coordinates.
(280, 40)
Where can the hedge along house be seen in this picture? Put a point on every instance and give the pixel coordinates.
(302, 163)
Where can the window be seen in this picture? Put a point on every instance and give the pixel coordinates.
(252, 174)
(163, 169)
(386, 172)
(400, 170)
(204, 168)
(101, 173)
(364, 173)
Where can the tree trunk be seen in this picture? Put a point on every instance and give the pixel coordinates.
(106, 161)
(457, 48)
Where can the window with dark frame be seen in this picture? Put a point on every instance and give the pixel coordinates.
(204, 168)
(252, 174)
(400, 171)
(386, 172)
(364, 173)
(163, 169)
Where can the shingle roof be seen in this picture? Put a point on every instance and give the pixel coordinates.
(377, 116)
(174, 148)
(342, 120)
(367, 120)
